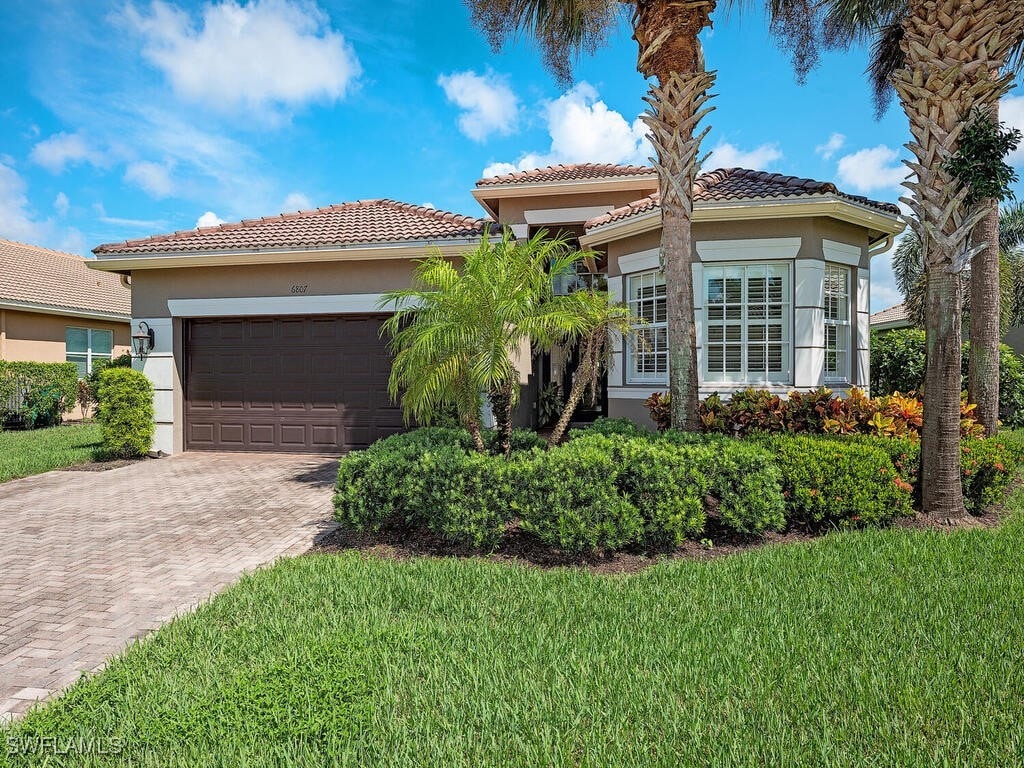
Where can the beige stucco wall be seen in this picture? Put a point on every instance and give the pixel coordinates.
(39, 338)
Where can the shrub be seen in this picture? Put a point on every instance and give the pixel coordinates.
(569, 499)
(660, 406)
(51, 387)
(125, 412)
(987, 467)
(897, 361)
(1011, 388)
(835, 482)
(743, 479)
(608, 427)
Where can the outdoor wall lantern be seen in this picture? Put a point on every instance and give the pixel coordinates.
(143, 340)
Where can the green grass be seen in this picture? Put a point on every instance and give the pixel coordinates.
(40, 450)
(875, 648)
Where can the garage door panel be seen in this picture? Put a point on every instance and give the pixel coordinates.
(287, 384)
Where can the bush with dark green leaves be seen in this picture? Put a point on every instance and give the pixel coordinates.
(829, 482)
(570, 499)
(606, 426)
(987, 467)
(36, 394)
(125, 413)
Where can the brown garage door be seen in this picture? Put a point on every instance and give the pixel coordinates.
(293, 384)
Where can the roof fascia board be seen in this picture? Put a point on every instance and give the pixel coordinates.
(538, 188)
(831, 206)
(132, 261)
(50, 309)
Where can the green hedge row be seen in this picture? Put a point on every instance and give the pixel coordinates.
(614, 486)
(37, 394)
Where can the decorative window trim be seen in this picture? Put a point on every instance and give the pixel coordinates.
(745, 322)
(90, 355)
(837, 316)
(633, 376)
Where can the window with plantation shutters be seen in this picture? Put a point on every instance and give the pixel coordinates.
(837, 323)
(648, 347)
(747, 324)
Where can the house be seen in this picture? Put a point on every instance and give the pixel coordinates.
(267, 331)
(53, 308)
(891, 318)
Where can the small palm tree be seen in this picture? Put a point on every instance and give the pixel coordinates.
(669, 51)
(456, 333)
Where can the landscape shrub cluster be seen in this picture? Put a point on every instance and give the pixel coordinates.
(614, 486)
(34, 395)
(897, 365)
(819, 412)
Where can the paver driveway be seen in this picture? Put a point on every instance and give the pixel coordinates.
(91, 560)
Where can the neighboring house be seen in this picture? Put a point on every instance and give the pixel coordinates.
(891, 318)
(268, 330)
(53, 308)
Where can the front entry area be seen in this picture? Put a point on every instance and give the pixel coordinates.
(314, 384)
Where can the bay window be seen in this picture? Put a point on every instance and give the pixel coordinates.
(837, 323)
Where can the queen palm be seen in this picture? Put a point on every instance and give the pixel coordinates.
(669, 51)
(944, 59)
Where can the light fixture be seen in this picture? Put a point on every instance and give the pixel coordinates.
(143, 340)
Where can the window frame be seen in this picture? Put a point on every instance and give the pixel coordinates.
(89, 354)
(633, 376)
(844, 328)
(729, 380)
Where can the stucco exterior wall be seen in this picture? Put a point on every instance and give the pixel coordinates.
(39, 338)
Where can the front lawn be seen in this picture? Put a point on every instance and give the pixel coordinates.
(40, 450)
(878, 647)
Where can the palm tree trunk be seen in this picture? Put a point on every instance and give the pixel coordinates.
(666, 33)
(585, 373)
(942, 496)
(951, 50)
(985, 324)
(501, 404)
(473, 425)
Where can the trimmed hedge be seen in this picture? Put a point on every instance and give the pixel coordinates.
(48, 391)
(125, 412)
(831, 482)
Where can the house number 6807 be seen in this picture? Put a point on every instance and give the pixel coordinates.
(300, 288)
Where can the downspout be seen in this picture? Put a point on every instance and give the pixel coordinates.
(886, 241)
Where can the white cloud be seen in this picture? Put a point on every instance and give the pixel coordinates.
(209, 219)
(261, 55)
(487, 102)
(835, 142)
(583, 130)
(296, 201)
(153, 178)
(1011, 112)
(16, 222)
(872, 169)
(726, 155)
(61, 204)
(63, 149)
(429, 205)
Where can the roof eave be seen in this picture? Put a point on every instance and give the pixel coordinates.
(53, 309)
(411, 249)
(491, 192)
(761, 208)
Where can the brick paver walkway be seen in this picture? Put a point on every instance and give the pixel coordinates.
(91, 560)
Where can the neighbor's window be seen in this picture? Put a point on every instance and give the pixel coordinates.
(83, 346)
(837, 323)
(648, 348)
(747, 324)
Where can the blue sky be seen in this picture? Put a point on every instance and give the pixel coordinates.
(121, 120)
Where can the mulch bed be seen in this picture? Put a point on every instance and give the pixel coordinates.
(519, 548)
(103, 466)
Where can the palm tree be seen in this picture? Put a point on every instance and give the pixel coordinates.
(455, 333)
(669, 51)
(908, 269)
(945, 59)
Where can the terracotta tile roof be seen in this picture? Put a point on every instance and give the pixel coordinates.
(568, 173)
(896, 314)
(33, 275)
(358, 223)
(732, 184)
